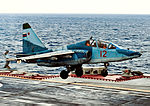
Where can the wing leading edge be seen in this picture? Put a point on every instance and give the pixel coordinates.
(44, 55)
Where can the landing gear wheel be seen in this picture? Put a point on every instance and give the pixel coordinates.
(79, 71)
(104, 73)
(64, 74)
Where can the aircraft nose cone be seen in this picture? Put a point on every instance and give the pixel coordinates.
(129, 52)
(136, 53)
(140, 54)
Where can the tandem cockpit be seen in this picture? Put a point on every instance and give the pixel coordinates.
(101, 44)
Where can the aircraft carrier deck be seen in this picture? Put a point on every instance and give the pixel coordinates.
(26, 91)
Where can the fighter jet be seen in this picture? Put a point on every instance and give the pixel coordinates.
(72, 56)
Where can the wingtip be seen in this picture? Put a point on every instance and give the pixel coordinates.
(26, 26)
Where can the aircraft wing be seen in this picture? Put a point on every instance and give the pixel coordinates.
(46, 55)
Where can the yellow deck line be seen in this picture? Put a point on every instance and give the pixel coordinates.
(85, 84)
(100, 86)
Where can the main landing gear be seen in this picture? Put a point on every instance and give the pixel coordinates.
(64, 74)
(77, 68)
(79, 71)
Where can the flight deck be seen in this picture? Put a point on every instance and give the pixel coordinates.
(35, 89)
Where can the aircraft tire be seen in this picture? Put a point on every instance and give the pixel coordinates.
(104, 73)
(64, 74)
(79, 71)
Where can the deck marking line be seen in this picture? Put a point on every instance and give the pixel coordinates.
(100, 86)
(85, 84)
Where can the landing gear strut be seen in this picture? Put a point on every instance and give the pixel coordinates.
(77, 68)
(106, 64)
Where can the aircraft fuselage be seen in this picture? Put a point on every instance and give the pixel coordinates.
(88, 55)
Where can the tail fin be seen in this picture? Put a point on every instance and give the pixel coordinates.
(31, 42)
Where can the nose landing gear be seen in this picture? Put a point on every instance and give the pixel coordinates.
(79, 71)
(104, 72)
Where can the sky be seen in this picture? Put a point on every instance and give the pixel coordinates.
(76, 6)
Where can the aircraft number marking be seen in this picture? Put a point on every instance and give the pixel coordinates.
(103, 53)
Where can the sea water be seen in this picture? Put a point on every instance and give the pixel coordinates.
(55, 30)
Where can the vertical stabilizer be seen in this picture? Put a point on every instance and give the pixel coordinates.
(31, 42)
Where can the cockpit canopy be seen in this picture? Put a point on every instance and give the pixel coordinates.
(100, 44)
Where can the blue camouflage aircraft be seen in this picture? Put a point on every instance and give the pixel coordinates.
(72, 56)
